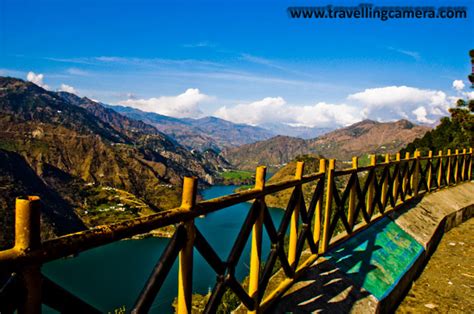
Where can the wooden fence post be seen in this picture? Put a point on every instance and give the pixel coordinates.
(295, 215)
(456, 167)
(319, 206)
(396, 179)
(353, 195)
(469, 167)
(256, 250)
(185, 275)
(463, 168)
(429, 174)
(448, 168)
(416, 174)
(406, 177)
(28, 237)
(440, 169)
(328, 208)
(371, 189)
(384, 194)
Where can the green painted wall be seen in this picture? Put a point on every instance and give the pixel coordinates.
(376, 258)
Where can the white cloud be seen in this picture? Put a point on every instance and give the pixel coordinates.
(469, 95)
(421, 114)
(415, 55)
(275, 109)
(458, 85)
(185, 105)
(381, 104)
(258, 112)
(395, 102)
(36, 79)
(67, 88)
(325, 115)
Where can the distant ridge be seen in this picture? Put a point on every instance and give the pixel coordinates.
(67, 148)
(200, 134)
(273, 152)
(363, 137)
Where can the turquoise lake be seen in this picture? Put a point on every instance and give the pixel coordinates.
(112, 276)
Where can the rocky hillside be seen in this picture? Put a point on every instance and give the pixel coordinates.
(228, 134)
(151, 138)
(367, 137)
(18, 178)
(199, 134)
(360, 138)
(273, 153)
(67, 146)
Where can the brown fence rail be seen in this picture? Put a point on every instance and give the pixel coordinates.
(341, 203)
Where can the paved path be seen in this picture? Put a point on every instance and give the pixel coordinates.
(353, 275)
(370, 271)
(447, 283)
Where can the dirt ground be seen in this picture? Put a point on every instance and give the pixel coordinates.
(447, 283)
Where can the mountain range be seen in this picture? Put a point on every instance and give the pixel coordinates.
(245, 147)
(360, 138)
(303, 132)
(67, 148)
(93, 163)
(199, 134)
(215, 133)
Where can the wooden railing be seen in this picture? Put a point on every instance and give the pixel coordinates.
(341, 203)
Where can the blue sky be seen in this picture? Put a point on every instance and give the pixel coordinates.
(240, 60)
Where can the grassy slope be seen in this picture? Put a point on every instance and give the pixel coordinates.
(236, 177)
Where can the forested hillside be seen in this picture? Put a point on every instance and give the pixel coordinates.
(454, 132)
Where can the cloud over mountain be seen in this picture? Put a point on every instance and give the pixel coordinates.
(185, 105)
(37, 79)
(387, 103)
(276, 109)
(67, 88)
(394, 102)
(382, 104)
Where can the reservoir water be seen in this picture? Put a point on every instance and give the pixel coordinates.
(112, 276)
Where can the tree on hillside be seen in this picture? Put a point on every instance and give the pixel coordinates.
(456, 131)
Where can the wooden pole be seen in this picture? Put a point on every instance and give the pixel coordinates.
(429, 174)
(371, 188)
(469, 167)
(27, 238)
(448, 169)
(185, 276)
(295, 215)
(440, 168)
(328, 208)
(396, 180)
(319, 206)
(416, 174)
(406, 182)
(456, 167)
(384, 194)
(353, 195)
(256, 250)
